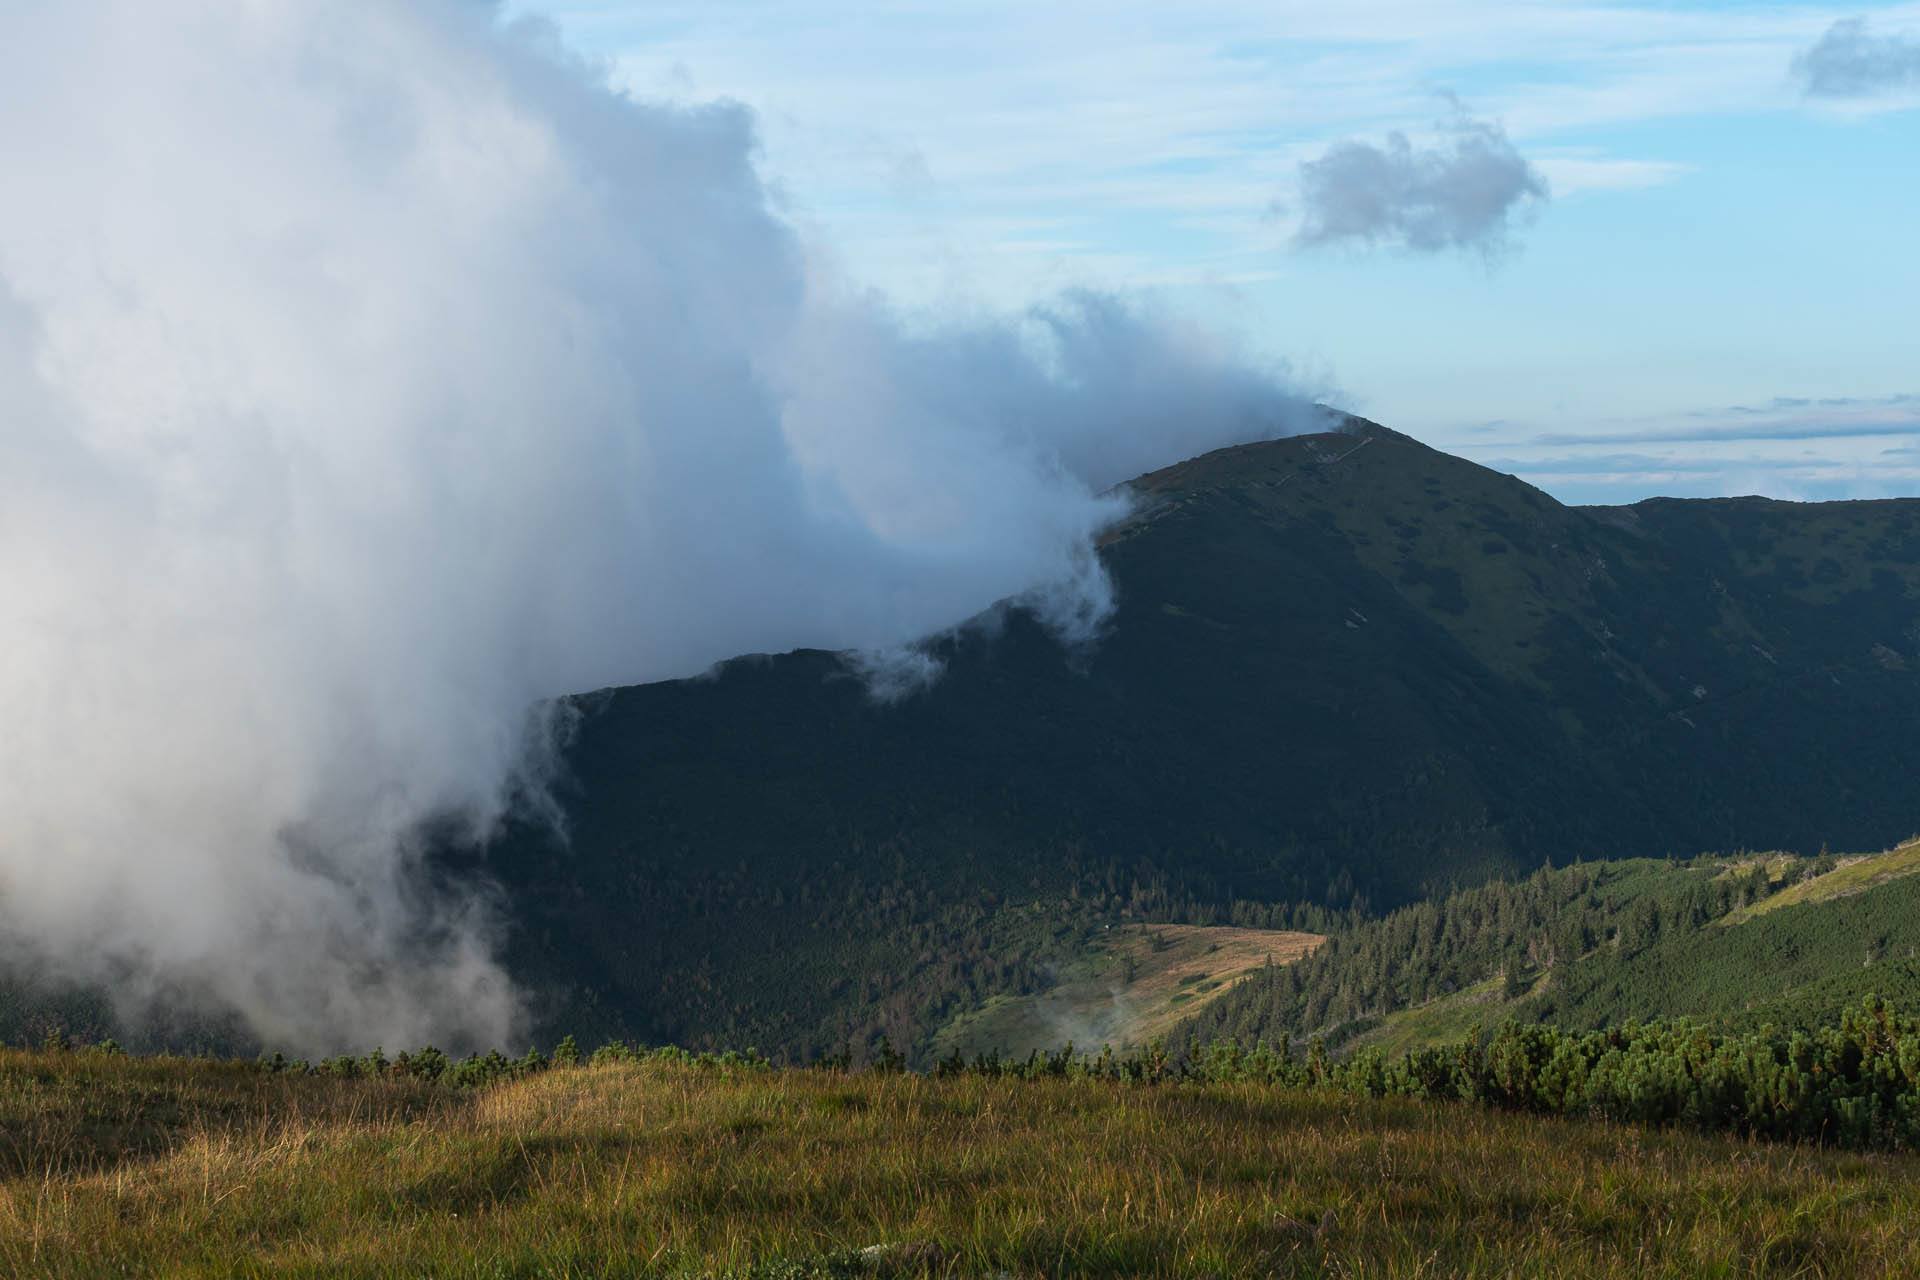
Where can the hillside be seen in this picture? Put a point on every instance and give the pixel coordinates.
(1131, 985)
(1738, 944)
(1347, 671)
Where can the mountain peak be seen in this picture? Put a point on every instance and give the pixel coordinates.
(1276, 462)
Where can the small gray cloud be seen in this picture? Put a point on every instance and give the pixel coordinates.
(1461, 194)
(1851, 62)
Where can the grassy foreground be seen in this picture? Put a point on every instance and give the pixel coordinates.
(112, 1166)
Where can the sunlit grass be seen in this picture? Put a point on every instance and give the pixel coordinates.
(1130, 985)
(1447, 1020)
(665, 1169)
(1851, 875)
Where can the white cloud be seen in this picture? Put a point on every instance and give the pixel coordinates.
(370, 374)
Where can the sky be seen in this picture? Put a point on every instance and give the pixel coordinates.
(1620, 250)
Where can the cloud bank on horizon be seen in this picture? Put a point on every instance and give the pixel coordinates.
(1791, 447)
(373, 373)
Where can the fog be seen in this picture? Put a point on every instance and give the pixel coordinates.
(372, 374)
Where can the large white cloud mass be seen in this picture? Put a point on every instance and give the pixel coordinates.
(370, 372)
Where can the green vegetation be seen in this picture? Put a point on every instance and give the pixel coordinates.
(1482, 949)
(1740, 943)
(672, 1165)
(1437, 1022)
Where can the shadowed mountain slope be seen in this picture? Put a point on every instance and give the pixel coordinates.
(1346, 670)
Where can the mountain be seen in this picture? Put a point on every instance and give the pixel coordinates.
(1346, 672)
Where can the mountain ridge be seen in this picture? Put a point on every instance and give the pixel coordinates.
(1345, 671)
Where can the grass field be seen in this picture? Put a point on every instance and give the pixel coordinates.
(117, 1167)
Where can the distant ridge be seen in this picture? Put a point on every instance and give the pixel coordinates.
(1346, 670)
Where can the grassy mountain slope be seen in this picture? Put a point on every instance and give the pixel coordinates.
(1346, 671)
(1132, 984)
(1848, 876)
(1781, 940)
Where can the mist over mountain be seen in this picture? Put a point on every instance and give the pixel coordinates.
(1344, 671)
(373, 374)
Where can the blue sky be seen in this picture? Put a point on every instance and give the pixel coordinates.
(1718, 295)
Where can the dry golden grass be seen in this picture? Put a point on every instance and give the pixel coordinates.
(1172, 955)
(1137, 982)
(657, 1169)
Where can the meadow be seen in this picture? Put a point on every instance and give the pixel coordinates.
(669, 1166)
